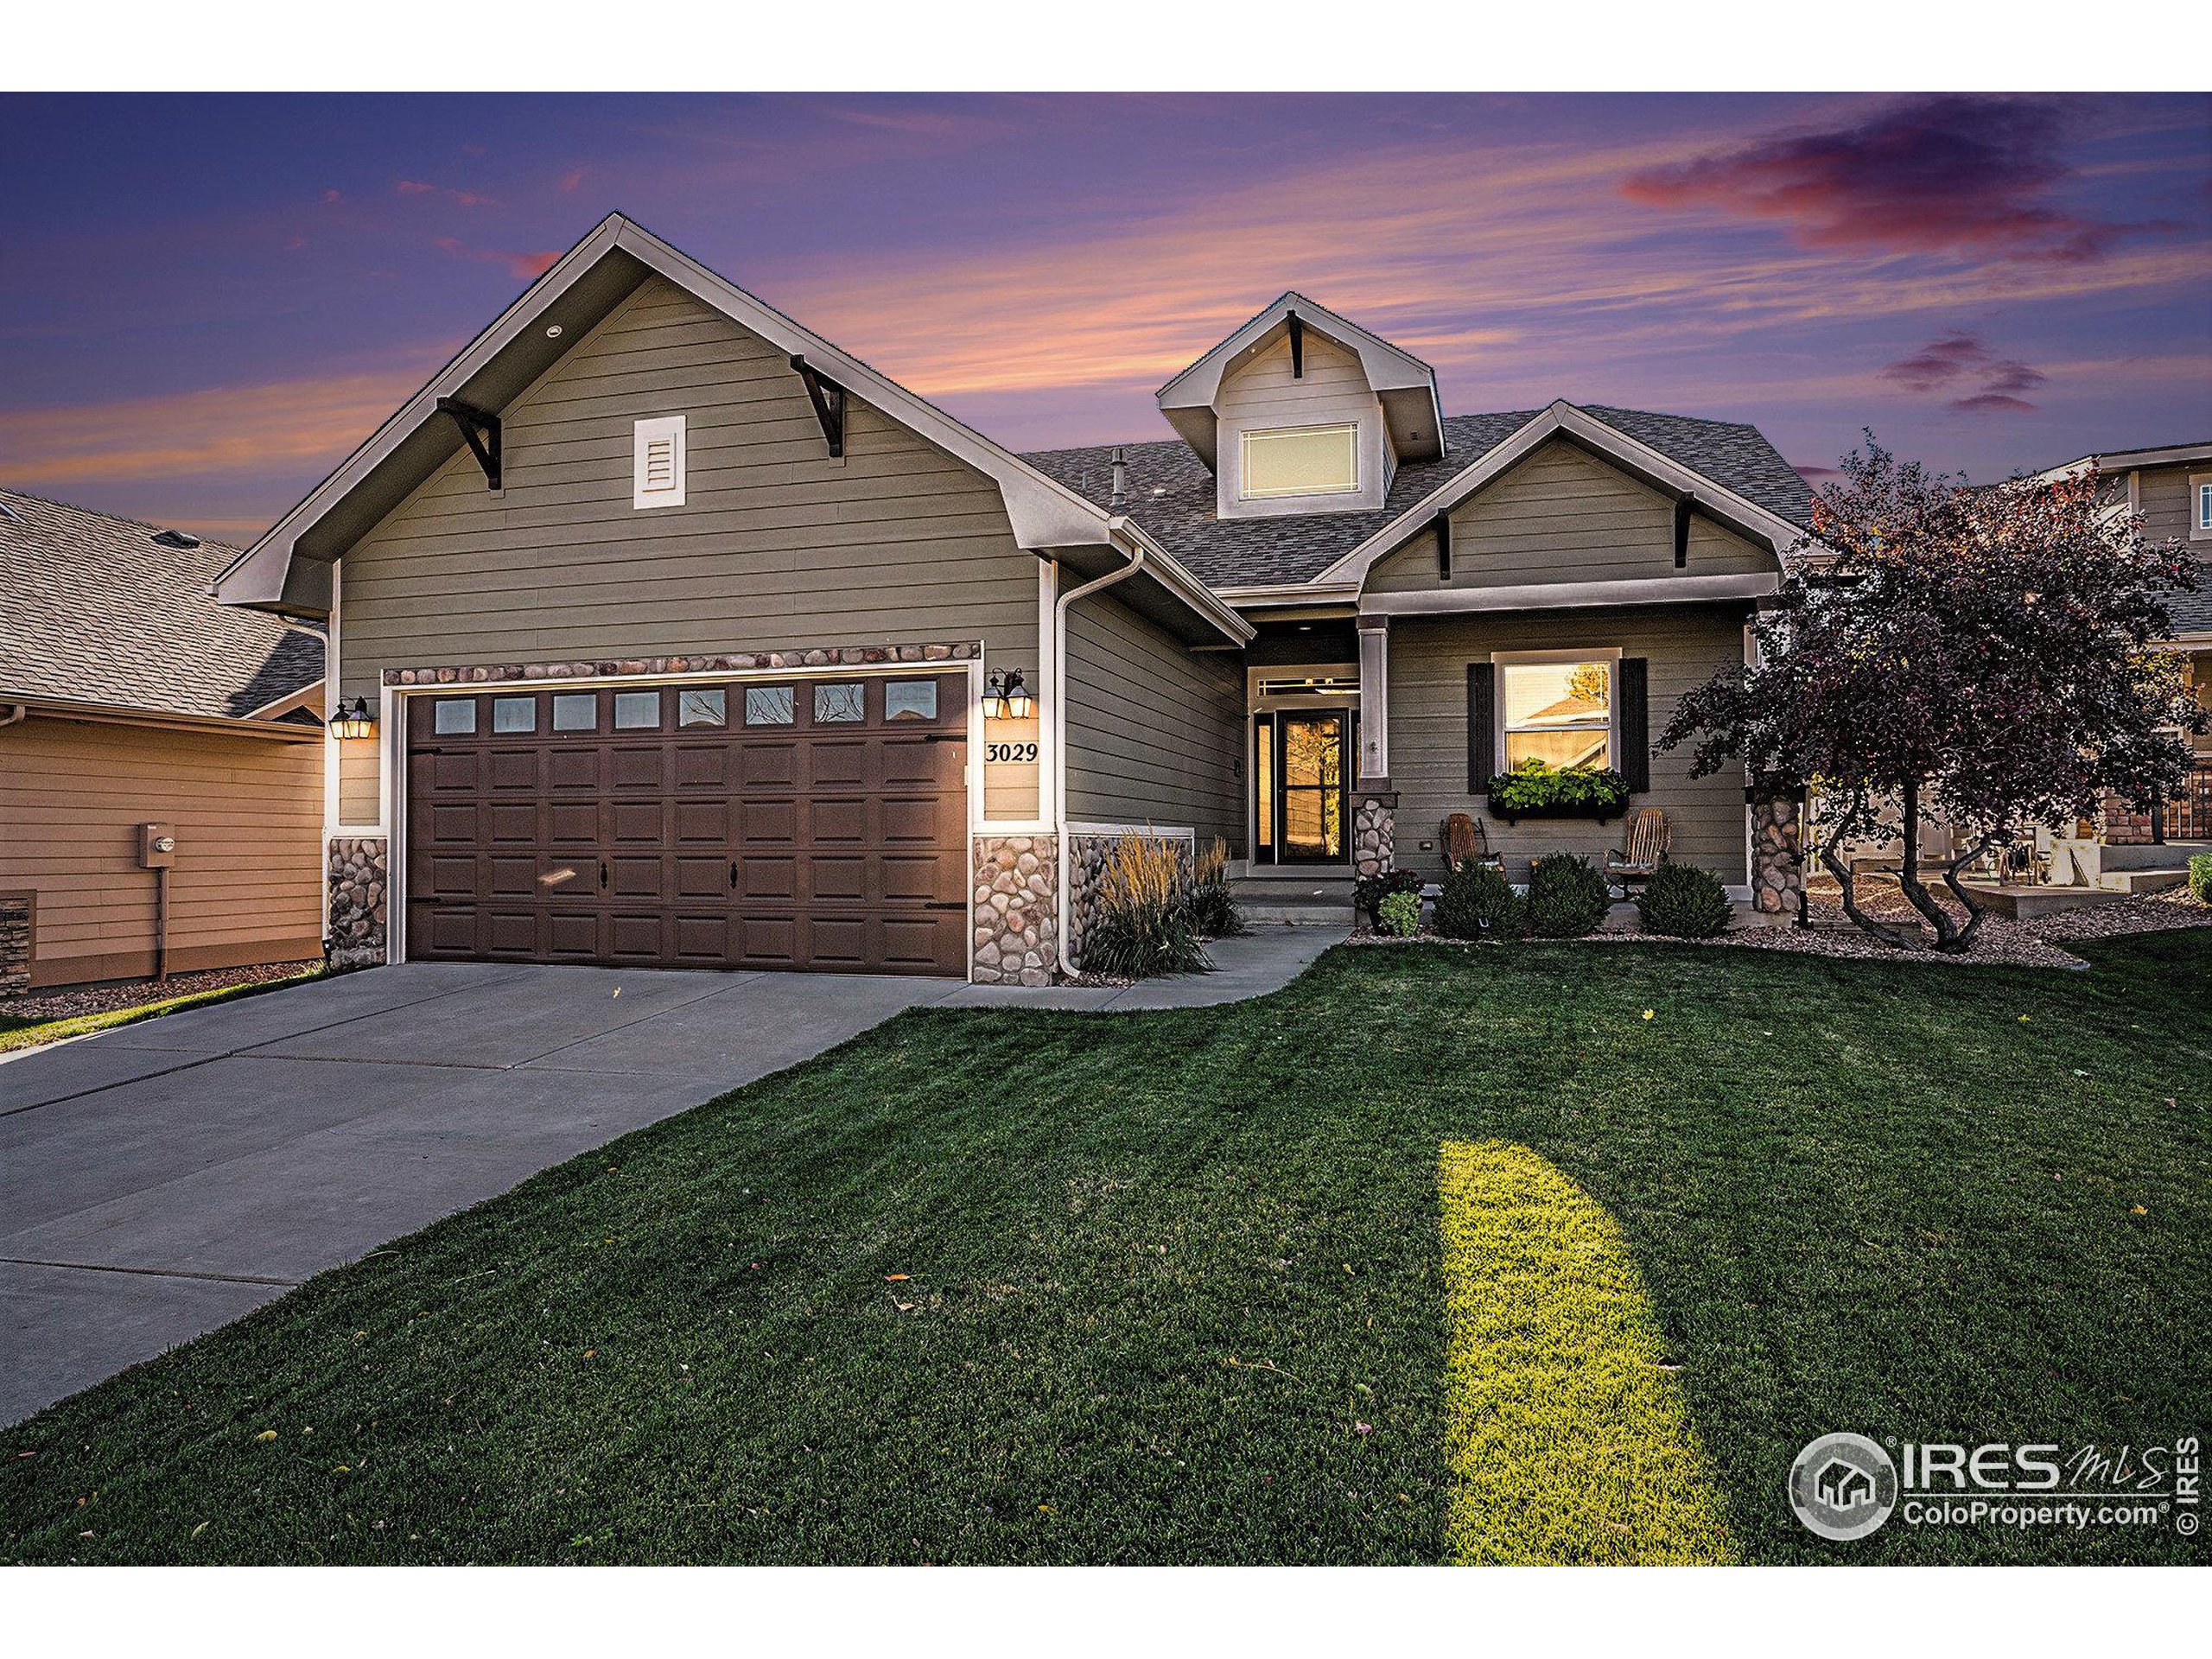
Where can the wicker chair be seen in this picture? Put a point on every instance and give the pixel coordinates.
(1644, 851)
(1464, 841)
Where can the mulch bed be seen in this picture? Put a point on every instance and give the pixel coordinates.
(106, 999)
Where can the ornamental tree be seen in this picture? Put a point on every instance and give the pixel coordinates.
(1979, 655)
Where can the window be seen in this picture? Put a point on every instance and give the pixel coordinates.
(701, 709)
(840, 705)
(1560, 713)
(2200, 490)
(768, 705)
(910, 700)
(636, 711)
(454, 716)
(658, 476)
(1302, 460)
(514, 714)
(576, 711)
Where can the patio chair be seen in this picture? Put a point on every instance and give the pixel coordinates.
(1464, 841)
(1642, 853)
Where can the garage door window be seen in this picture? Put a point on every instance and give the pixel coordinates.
(514, 714)
(910, 700)
(637, 711)
(840, 705)
(455, 717)
(578, 711)
(702, 708)
(768, 705)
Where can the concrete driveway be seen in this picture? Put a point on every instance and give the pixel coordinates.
(162, 1180)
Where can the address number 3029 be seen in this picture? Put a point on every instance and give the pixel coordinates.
(1009, 750)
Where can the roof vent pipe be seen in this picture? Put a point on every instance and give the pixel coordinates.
(1119, 460)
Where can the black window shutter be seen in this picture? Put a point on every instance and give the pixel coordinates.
(1636, 723)
(1482, 720)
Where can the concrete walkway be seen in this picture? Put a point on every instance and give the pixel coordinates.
(163, 1179)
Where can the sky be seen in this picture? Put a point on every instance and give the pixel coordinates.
(209, 299)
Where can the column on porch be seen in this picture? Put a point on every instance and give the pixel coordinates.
(1375, 805)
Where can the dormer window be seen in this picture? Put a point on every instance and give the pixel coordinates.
(1302, 461)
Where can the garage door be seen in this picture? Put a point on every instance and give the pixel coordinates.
(804, 824)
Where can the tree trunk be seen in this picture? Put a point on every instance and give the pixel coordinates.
(1947, 931)
(1833, 864)
(1975, 909)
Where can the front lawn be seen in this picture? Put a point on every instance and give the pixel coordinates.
(1319, 1278)
(18, 1033)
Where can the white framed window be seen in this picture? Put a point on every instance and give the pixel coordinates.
(1558, 707)
(657, 479)
(2200, 502)
(1302, 461)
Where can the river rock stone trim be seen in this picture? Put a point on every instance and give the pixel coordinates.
(1087, 856)
(1777, 856)
(1374, 832)
(720, 663)
(1016, 893)
(359, 871)
(16, 910)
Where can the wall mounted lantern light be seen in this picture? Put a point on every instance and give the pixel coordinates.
(1007, 697)
(356, 721)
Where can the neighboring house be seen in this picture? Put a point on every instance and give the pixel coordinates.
(129, 697)
(680, 635)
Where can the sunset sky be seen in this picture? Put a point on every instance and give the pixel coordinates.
(209, 299)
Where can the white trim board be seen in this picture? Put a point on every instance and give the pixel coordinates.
(1572, 595)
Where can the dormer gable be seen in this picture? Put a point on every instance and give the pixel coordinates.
(1303, 412)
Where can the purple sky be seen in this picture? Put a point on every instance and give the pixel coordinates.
(210, 299)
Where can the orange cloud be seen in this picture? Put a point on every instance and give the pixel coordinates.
(527, 266)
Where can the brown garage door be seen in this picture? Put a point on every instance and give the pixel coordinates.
(799, 823)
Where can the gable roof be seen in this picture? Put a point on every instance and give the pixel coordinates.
(577, 292)
(2162, 454)
(1405, 386)
(94, 610)
(1173, 494)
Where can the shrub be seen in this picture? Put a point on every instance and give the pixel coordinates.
(2200, 877)
(1141, 922)
(1477, 902)
(1400, 917)
(1684, 902)
(1213, 905)
(1533, 790)
(1370, 891)
(1566, 897)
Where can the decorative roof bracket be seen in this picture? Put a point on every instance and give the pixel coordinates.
(829, 400)
(481, 430)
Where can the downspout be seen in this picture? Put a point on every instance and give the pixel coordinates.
(1060, 732)
(15, 711)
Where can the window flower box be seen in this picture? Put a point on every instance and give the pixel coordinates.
(1533, 790)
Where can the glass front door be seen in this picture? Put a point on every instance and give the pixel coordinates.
(1302, 755)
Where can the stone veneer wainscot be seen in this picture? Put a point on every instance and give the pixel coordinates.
(359, 868)
(1016, 936)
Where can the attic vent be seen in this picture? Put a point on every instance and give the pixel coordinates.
(175, 538)
(657, 479)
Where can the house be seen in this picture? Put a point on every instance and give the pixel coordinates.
(675, 634)
(161, 757)
(2123, 850)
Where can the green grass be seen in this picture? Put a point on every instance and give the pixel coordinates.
(34, 1034)
(1159, 1269)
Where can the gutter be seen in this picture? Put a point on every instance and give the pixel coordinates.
(1060, 736)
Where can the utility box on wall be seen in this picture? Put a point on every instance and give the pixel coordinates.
(156, 847)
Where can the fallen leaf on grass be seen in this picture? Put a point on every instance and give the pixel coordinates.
(266, 1435)
(197, 1530)
(2139, 1211)
(893, 1278)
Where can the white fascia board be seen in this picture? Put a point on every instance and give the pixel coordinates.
(1571, 595)
(1289, 593)
(2173, 454)
(1562, 417)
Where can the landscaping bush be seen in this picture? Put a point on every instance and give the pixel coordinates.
(1477, 902)
(1566, 897)
(1400, 915)
(1370, 891)
(1684, 902)
(1534, 790)
(2200, 877)
(1213, 905)
(1142, 922)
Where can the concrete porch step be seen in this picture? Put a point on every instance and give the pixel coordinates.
(2026, 903)
(1295, 898)
(2135, 883)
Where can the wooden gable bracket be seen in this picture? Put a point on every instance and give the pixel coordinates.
(829, 400)
(481, 430)
(1444, 547)
(1683, 507)
(1296, 345)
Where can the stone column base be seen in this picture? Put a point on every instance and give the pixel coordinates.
(1016, 937)
(1777, 856)
(17, 911)
(359, 874)
(1374, 831)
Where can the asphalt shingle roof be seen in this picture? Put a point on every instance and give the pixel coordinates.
(1171, 494)
(93, 609)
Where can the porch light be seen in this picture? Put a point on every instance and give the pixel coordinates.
(356, 721)
(1007, 697)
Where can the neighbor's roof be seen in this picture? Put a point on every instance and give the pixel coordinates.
(2192, 611)
(94, 610)
(2156, 454)
(1171, 494)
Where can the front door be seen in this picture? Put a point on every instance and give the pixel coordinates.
(1304, 769)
